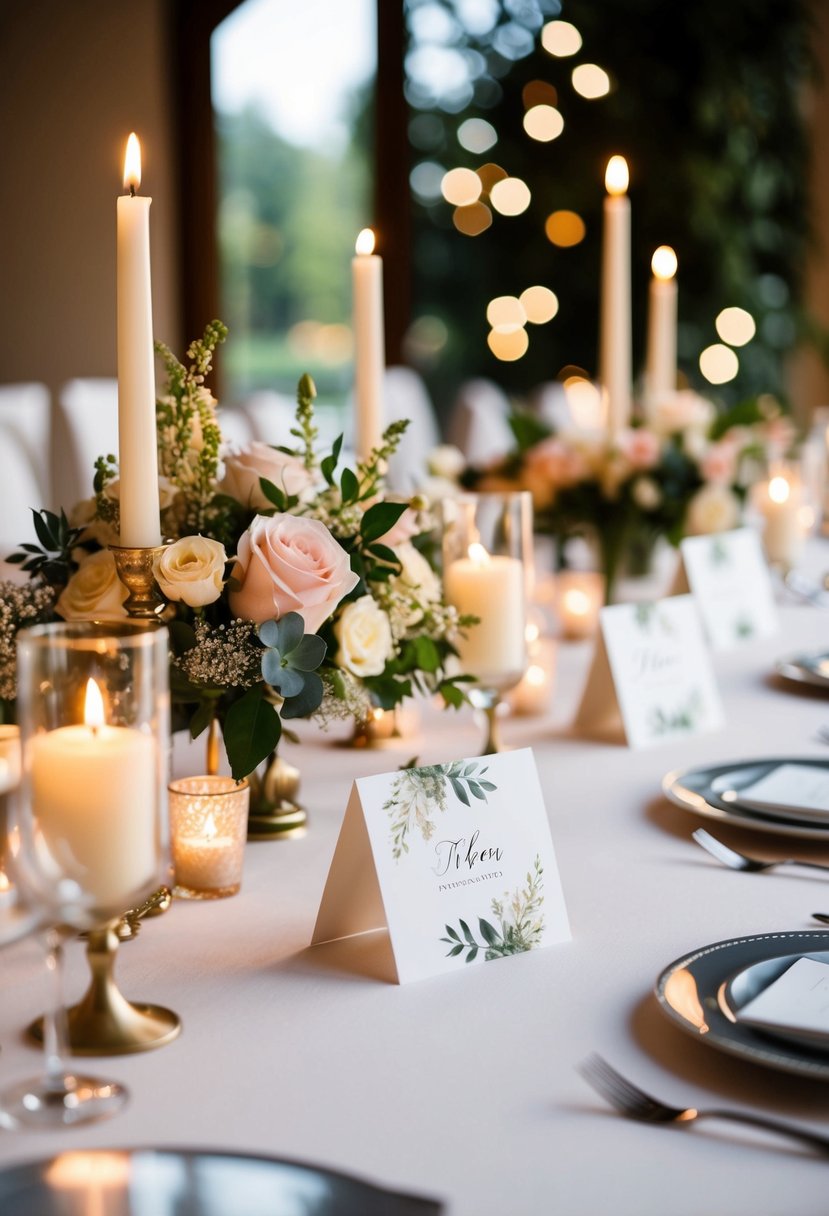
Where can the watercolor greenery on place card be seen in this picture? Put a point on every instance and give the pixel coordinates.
(418, 793)
(519, 927)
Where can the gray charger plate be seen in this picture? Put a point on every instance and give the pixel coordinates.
(191, 1183)
(691, 991)
(810, 669)
(697, 789)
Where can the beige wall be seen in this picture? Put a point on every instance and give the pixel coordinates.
(76, 76)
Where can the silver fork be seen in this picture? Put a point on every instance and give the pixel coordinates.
(633, 1102)
(739, 861)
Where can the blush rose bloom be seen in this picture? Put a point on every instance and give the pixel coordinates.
(551, 465)
(289, 564)
(640, 447)
(94, 592)
(244, 468)
(364, 634)
(191, 570)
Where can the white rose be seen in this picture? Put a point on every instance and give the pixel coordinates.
(364, 634)
(417, 581)
(244, 468)
(712, 509)
(682, 411)
(446, 461)
(94, 592)
(191, 570)
(646, 494)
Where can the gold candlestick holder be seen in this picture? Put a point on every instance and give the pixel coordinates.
(135, 570)
(104, 1022)
(275, 812)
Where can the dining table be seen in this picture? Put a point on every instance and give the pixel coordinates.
(466, 1087)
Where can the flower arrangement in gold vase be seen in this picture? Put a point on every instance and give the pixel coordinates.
(294, 587)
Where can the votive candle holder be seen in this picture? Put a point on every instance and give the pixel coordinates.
(208, 829)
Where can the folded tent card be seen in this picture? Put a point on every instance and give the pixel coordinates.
(730, 580)
(651, 680)
(456, 860)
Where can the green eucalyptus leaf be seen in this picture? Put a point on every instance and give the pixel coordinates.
(291, 627)
(251, 731)
(308, 655)
(269, 633)
(288, 682)
(307, 701)
(272, 666)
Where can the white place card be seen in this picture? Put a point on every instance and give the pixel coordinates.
(456, 860)
(799, 788)
(651, 680)
(798, 1000)
(730, 579)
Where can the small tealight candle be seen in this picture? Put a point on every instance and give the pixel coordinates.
(780, 502)
(208, 829)
(579, 596)
(534, 694)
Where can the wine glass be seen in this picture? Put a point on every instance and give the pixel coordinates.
(487, 573)
(90, 816)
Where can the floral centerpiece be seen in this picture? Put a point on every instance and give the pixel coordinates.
(293, 587)
(685, 470)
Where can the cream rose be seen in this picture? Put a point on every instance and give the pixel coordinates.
(364, 634)
(244, 468)
(417, 582)
(94, 592)
(712, 509)
(289, 564)
(191, 570)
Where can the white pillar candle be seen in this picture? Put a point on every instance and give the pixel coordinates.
(660, 362)
(94, 794)
(615, 324)
(784, 532)
(138, 458)
(491, 588)
(369, 344)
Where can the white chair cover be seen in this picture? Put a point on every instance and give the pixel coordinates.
(24, 465)
(86, 427)
(405, 396)
(478, 423)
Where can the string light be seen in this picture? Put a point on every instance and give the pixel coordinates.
(564, 228)
(510, 196)
(735, 326)
(718, 364)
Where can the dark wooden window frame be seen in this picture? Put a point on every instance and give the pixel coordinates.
(193, 24)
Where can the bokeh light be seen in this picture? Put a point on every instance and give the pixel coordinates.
(735, 326)
(539, 93)
(473, 219)
(461, 187)
(561, 39)
(477, 135)
(585, 402)
(490, 174)
(425, 179)
(543, 123)
(539, 303)
(510, 196)
(590, 81)
(508, 345)
(564, 228)
(506, 313)
(718, 364)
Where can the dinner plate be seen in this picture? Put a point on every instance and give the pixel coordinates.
(751, 981)
(692, 992)
(134, 1182)
(700, 789)
(806, 669)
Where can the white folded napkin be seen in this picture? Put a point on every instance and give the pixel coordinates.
(801, 790)
(797, 1001)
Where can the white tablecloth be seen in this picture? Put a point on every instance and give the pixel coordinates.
(465, 1087)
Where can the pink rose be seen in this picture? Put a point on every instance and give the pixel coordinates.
(553, 464)
(719, 464)
(289, 564)
(244, 468)
(640, 448)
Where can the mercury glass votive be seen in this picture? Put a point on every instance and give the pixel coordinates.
(208, 829)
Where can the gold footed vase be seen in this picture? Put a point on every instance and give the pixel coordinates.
(275, 811)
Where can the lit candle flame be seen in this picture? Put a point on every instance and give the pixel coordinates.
(93, 713)
(477, 553)
(576, 601)
(616, 176)
(210, 830)
(365, 242)
(132, 164)
(663, 262)
(779, 489)
(536, 676)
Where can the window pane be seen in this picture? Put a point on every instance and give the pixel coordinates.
(292, 92)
